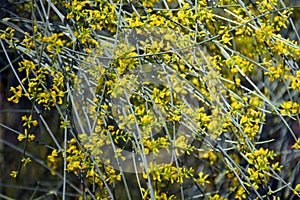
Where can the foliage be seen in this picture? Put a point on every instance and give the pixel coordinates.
(161, 99)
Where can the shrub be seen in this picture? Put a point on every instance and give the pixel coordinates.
(160, 99)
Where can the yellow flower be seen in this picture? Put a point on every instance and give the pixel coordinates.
(297, 189)
(146, 119)
(25, 161)
(226, 38)
(202, 179)
(17, 94)
(217, 197)
(29, 121)
(289, 107)
(21, 137)
(31, 137)
(297, 144)
(14, 174)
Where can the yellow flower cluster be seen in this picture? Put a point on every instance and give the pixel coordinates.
(289, 108)
(36, 85)
(169, 172)
(155, 146)
(53, 160)
(259, 170)
(250, 122)
(97, 15)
